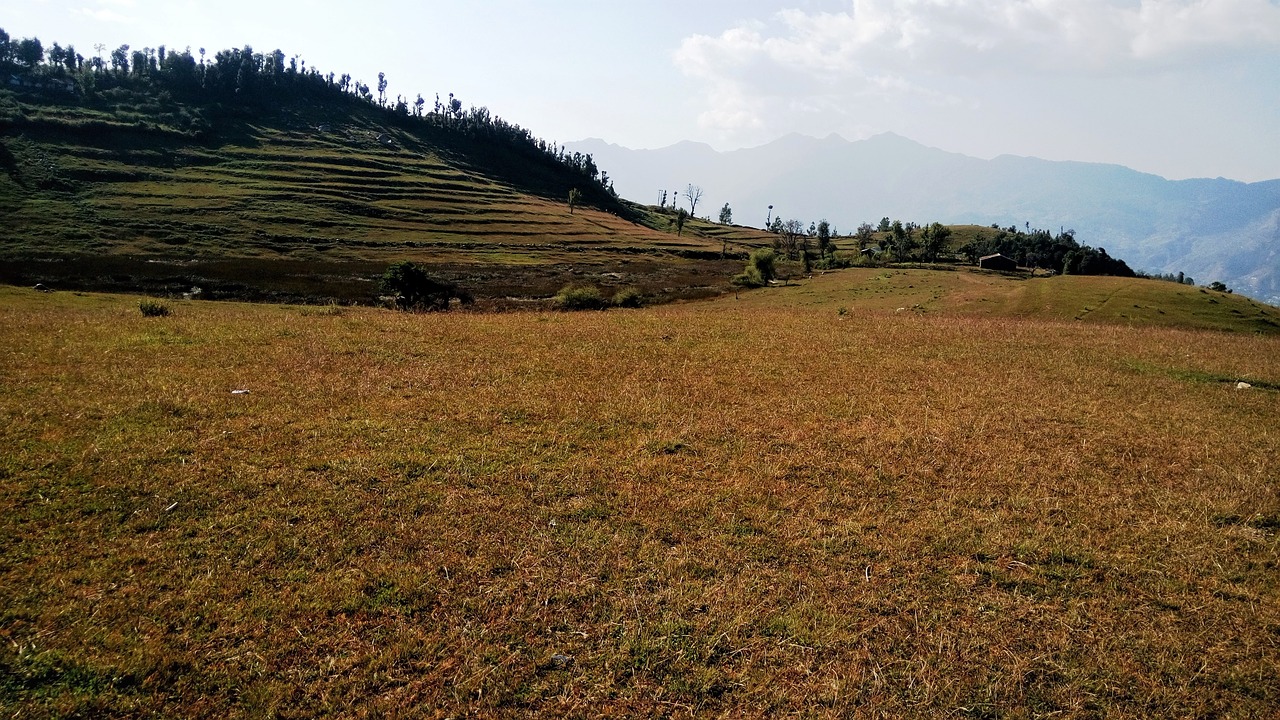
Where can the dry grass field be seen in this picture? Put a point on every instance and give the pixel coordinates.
(753, 507)
(967, 292)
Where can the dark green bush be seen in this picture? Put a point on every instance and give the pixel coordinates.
(760, 269)
(628, 297)
(749, 278)
(410, 288)
(153, 308)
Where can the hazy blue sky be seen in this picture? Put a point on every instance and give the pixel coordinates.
(1180, 88)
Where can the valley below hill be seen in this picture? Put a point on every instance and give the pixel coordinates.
(1213, 230)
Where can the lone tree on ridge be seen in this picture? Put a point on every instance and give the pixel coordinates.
(693, 194)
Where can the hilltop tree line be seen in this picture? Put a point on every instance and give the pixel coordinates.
(243, 76)
(894, 240)
(1037, 248)
(911, 242)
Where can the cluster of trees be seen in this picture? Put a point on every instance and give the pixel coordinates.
(795, 242)
(1179, 278)
(241, 75)
(906, 241)
(1183, 279)
(1037, 248)
(910, 242)
(28, 53)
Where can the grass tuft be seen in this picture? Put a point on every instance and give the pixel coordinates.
(580, 297)
(153, 308)
(628, 297)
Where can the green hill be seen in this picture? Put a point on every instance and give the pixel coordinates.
(308, 191)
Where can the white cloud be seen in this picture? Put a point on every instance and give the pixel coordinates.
(914, 50)
(114, 11)
(104, 15)
(1170, 29)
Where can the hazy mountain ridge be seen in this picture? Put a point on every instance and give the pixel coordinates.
(1211, 229)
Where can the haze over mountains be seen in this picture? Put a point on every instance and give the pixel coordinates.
(1215, 229)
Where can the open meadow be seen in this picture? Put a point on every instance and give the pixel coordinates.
(800, 502)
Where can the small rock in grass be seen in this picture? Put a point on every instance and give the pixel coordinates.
(1243, 386)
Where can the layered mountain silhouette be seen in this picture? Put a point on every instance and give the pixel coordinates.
(1213, 230)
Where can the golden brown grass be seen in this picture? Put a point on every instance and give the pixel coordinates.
(966, 291)
(722, 509)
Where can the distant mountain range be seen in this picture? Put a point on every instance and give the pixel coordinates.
(1217, 229)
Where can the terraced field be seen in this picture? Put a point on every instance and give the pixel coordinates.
(325, 188)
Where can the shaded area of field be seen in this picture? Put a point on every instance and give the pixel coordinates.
(495, 285)
(692, 510)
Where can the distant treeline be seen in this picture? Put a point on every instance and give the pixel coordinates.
(243, 76)
(1030, 248)
(1036, 248)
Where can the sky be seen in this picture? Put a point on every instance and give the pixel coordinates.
(1178, 88)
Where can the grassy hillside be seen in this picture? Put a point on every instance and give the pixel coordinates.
(336, 190)
(312, 195)
(966, 292)
(753, 507)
